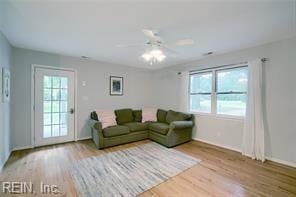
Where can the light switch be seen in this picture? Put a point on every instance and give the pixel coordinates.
(83, 83)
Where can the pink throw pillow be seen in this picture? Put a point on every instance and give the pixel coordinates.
(149, 114)
(107, 118)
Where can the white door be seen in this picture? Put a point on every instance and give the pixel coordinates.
(54, 106)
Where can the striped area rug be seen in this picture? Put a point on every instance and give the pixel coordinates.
(128, 172)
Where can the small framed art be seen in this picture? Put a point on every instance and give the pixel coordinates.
(116, 86)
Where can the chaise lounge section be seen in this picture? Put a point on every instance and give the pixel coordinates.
(170, 129)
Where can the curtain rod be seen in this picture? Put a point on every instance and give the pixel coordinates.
(245, 62)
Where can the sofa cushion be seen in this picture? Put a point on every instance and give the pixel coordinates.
(136, 126)
(137, 115)
(161, 115)
(159, 127)
(124, 116)
(115, 131)
(176, 116)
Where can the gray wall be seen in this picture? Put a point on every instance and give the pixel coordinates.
(279, 100)
(166, 88)
(5, 57)
(95, 95)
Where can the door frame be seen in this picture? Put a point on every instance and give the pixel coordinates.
(33, 67)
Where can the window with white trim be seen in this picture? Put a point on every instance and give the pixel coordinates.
(201, 92)
(219, 91)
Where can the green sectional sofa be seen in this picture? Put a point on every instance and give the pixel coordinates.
(170, 129)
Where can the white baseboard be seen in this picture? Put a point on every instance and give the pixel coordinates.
(22, 148)
(30, 146)
(287, 163)
(83, 138)
(5, 160)
(220, 145)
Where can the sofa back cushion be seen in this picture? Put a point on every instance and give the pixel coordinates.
(137, 115)
(161, 115)
(106, 117)
(176, 116)
(149, 114)
(124, 116)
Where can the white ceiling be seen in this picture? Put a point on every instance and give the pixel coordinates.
(94, 28)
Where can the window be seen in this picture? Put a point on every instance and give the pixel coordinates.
(201, 92)
(232, 91)
(219, 91)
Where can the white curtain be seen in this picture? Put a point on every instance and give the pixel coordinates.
(253, 134)
(184, 88)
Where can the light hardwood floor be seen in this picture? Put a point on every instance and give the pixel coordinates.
(221, 173)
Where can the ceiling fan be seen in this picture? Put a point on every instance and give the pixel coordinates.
(155, 46)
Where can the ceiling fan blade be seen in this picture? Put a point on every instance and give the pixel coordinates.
(184, 42)
(149, 33)
(168, 49)
(129, 45)
(152, 35)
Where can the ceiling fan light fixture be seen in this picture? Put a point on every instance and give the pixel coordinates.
(147, 57)
(153, 56)
(156, 52)
(160, 57)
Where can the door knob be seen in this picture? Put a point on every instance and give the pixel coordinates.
(72, 111)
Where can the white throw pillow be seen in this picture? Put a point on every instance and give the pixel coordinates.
(106, 117)
(149, 114)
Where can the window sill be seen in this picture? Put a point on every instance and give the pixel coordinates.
(222, 116)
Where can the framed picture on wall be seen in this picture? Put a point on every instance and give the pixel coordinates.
(5, 85)
(116, 86)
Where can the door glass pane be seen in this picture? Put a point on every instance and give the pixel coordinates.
(200, 103)
(63, 130)
(231, 104)
(56, 82)
(64, 94)
(55, 106)
(64, 106)
(63, 118)
(55, 118)
(56, 94)
(46, 131)
(47, 106)
(47, 94)
(64, 82)
(55, 130)
(47, 81)
(47, 118)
